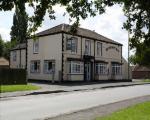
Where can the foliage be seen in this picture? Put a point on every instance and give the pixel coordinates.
(5, 47)
(137, 12)
(1, 46)
(20, 22)
(138, 112)
(13, 88)
(138, 24)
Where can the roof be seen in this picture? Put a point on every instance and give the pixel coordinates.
(19, 46)
(80, 32)
(140, 68)
(3, 62)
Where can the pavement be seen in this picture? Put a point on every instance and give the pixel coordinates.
(48, 88)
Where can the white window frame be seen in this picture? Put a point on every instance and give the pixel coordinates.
(46, 69)
(32, 66)
(99, 48)
(101, 69)
(14, 56)
(116, 69)
(72, 42)
(75, 67)
(35, 46)
(87, 47)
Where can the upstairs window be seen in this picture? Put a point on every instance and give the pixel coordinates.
(49, 66)
(72, 44)
(36, 46)
(14, 56)
(116, 69)
(87, 47)
(35, 66)
(99, 48)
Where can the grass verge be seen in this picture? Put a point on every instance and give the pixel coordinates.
(147, 80)
(13, 88)
(138, 112)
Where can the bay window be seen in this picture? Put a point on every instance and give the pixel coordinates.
(101, 68)
(75, 67)
(116, 69)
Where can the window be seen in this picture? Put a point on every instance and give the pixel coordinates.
(101, 68)
(116, 69)
(35, 66)
(76, 67)
(99, 48)
(49, 66)
(36, 46)
(87, 47)
(72, 44)
(14, 55)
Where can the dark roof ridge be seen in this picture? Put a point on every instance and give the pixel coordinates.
(80, 31)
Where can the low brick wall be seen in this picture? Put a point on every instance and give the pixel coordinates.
(141, 74)
(12, 76)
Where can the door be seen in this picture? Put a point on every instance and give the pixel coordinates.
(87, 72)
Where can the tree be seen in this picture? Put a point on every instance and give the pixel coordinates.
(7, 47)
(0, 37)
(137, 12)
(1, 46)
(20, 22)
(138, 24)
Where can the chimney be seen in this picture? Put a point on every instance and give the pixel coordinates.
(63, 26)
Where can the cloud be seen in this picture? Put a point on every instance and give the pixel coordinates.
(5, 33)
(6, 23)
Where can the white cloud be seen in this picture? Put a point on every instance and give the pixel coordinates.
(5, 33)
(6, 23)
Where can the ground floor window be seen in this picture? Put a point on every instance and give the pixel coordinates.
(116, 69)
(75, 67)
(101, 68)
(35, 66)
(49, 66)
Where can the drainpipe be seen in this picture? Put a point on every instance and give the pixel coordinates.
(128, 55)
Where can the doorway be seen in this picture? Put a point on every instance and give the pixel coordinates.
(87, 71)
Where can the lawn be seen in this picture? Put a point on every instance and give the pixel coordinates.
(138, 112)
(13, 88)
(147, 80)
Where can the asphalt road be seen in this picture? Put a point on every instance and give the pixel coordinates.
(45, 106)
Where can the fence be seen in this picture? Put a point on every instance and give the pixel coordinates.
(12, 76)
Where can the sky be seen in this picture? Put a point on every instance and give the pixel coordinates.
(108, 24)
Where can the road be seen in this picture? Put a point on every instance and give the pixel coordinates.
(45, 106)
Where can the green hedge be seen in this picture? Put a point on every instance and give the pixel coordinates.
(12, 76)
